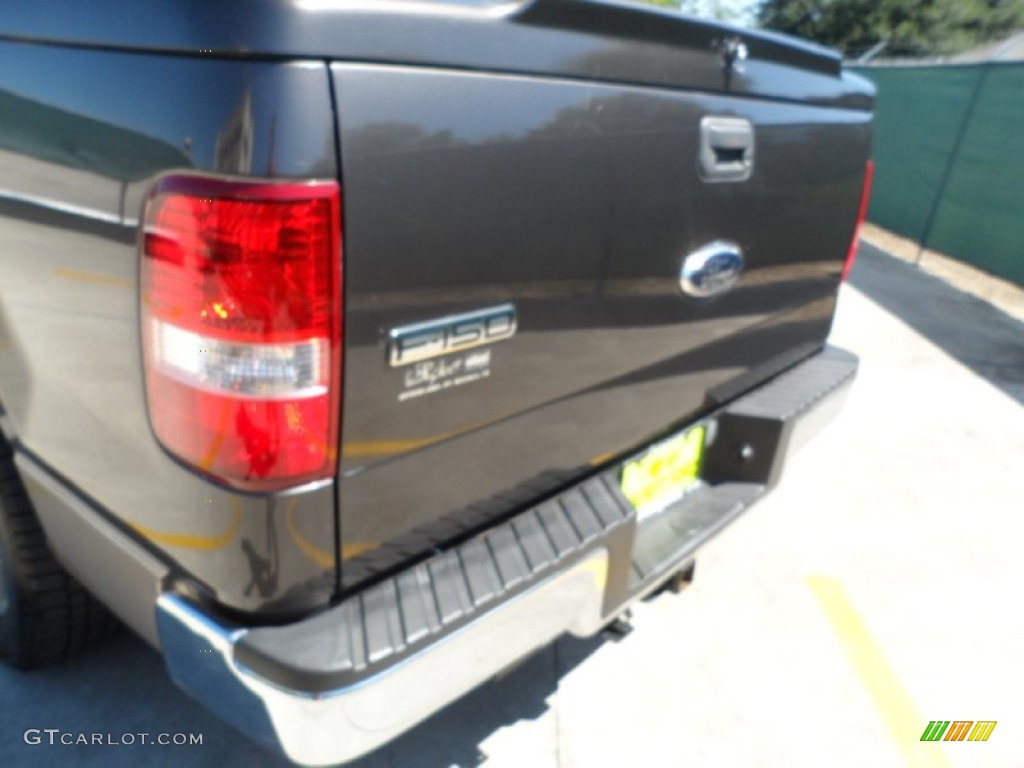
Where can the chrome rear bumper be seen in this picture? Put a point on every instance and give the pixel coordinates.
(335, 726)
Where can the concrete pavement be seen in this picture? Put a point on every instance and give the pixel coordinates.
(877, 589)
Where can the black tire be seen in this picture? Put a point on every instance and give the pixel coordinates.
(46, 616)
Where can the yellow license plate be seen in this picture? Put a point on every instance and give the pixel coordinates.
(664, 474)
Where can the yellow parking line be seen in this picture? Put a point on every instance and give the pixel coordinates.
(321, 557)
(876, 675)
(193, 540)
(365, 448)
(93, 277)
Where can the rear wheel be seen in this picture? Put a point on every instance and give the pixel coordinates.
(46, 616)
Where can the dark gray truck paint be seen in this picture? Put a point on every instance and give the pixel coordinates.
(599, 40)
(82, 133)
(542, 152)
(576, 202)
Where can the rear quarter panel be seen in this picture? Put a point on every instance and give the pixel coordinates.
(82, 135)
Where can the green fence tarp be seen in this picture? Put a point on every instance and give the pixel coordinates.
(920, 114)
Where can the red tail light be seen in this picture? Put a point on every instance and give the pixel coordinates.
(241, 327)
(862, 212)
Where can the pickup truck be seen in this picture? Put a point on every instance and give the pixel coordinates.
(352, 351)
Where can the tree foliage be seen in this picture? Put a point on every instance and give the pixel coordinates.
(721, 10)
(674, 4)
(911, 27)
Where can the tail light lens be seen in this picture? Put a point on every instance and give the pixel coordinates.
(241, 327)
(862, 212)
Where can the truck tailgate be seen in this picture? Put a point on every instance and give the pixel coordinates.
(574, 203)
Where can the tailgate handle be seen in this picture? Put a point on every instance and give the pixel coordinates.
(726, 149)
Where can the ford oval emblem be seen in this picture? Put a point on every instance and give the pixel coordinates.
(711, 270)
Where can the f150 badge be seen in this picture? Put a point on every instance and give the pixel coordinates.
(454, 333)
(417, 345)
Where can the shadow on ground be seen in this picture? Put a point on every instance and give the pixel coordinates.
(977, 334)
(124, 689)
